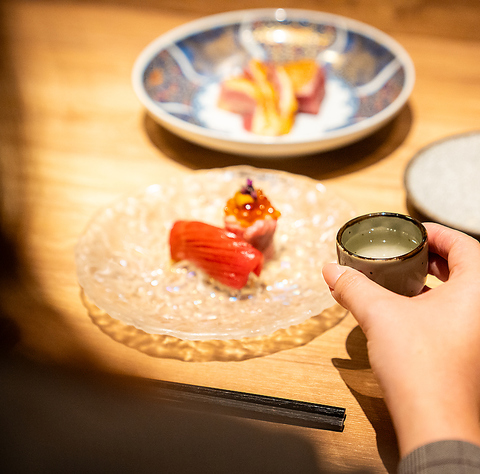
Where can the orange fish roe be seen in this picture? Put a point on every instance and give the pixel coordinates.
(249, 205)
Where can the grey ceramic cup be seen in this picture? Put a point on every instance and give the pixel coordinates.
(390, 248)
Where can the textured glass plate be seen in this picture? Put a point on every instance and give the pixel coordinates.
(123, 257)
(369, 77)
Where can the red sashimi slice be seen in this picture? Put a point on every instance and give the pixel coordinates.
(239, 95)
(259, 234)
(308, 79)
(219, 253)
(311, 98)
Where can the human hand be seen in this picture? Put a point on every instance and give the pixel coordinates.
(424, 350)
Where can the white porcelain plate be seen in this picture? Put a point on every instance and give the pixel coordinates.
(369, 77)
(124, 267)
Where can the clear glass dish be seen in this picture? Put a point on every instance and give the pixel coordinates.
(124, 266)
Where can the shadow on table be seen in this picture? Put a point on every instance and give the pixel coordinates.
(58, 421)
(169, 347)
(24, 310)
(358, 376)
(329, 164)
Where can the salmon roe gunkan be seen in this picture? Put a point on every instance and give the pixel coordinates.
(249, 205)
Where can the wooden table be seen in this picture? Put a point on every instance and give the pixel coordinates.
(74, 138)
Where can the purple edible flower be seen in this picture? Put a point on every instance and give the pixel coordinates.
(249, 189)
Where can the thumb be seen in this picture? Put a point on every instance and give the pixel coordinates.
(357, 293)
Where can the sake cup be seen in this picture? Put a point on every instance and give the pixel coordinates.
(390, 248)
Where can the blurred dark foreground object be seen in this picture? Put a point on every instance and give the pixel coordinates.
(56, 421)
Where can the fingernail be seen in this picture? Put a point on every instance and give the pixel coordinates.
(331, 273)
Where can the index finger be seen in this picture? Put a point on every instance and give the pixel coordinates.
(460, 250)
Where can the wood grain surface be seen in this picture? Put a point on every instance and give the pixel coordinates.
(74, 138)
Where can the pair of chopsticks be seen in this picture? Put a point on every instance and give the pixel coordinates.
(247, 405)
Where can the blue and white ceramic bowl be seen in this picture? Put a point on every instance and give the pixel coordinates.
(369, 78)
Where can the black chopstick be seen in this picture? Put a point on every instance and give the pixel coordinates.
(247, 405)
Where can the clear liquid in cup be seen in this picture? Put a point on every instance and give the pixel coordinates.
(381, 242)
